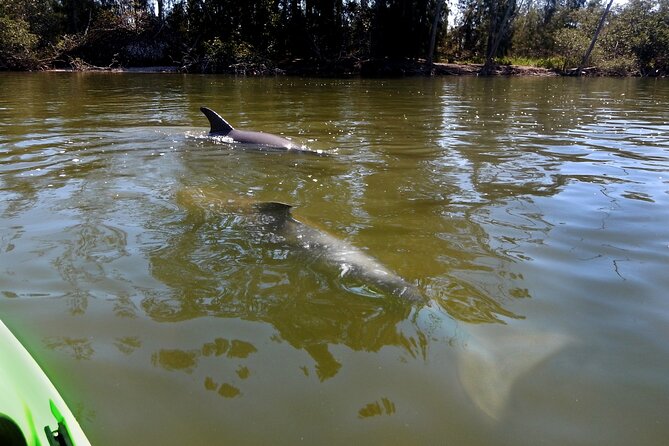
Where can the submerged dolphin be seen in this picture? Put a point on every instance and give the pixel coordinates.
(490, 360)
(275, 221)
(220, 127)
(349, 260)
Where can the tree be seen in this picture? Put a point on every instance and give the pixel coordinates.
(530, 36)
(637, 38)
(402, 28)
(206, 35)
(433, 33)
(498, 29)
(586, 56)
(27, 27)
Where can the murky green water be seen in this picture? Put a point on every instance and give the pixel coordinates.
(531, 214)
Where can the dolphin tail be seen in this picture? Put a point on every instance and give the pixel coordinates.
(491, 365)
(218, 124)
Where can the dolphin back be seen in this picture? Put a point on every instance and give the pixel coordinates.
(218, 125)
(349, 260)
(274, 208)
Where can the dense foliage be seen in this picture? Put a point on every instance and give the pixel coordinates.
(330, 36)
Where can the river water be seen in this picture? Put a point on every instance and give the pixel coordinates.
(530, 213)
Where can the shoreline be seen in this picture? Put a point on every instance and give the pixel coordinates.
(353, 68)
(439, 69)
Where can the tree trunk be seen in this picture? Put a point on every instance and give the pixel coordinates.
(494, 42)
(586, 56)
(433, 34)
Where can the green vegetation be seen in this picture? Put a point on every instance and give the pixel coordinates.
(333, 36)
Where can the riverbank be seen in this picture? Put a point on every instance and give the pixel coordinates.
(371, 68)
(352, 67)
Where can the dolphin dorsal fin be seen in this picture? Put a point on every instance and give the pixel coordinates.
(218, 124)
(274, 207)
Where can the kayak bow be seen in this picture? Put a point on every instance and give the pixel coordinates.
(32, 412)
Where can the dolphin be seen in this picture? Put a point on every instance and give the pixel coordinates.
(220, 127)
(351, 262)
(490, 359)
(275, 221)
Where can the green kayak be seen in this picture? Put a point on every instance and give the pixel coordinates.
(32, 413)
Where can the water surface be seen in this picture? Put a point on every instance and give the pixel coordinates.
(531, 214)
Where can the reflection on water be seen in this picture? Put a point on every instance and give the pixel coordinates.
(187, 361)
(128, 344)
(530, 213)
(79, 348)
(385, 407)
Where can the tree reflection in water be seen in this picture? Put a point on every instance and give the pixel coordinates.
(227, 263)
